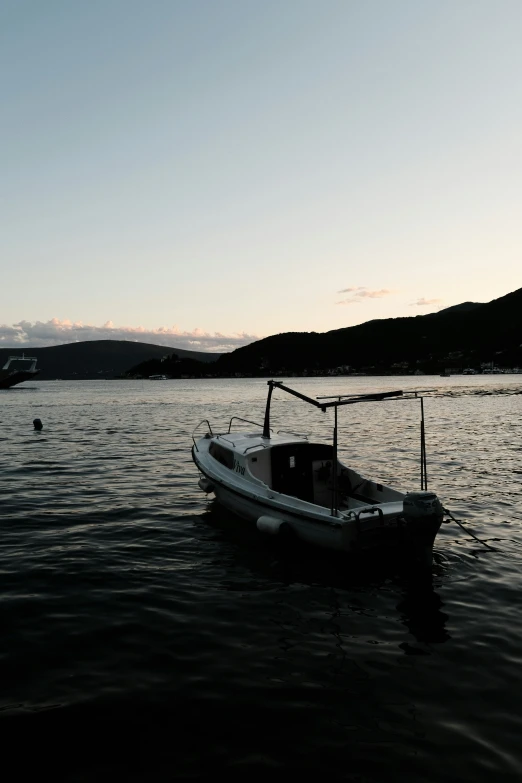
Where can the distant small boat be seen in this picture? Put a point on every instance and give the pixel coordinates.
(11, 377)
(158, 378)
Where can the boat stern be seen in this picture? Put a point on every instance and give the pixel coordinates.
(423, 514)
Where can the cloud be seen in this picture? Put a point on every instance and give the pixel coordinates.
(361, 292)
(349, 290)
(423, 302)
(8, 333)
(365, 294)
(55, 332)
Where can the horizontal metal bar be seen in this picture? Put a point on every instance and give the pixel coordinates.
(357, 397)
(363, 398)
(279, 385)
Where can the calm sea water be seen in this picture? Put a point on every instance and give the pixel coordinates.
(147, 635)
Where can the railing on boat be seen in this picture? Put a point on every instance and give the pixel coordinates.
(228, 440)
(255, 446)
(247, 421)
(203, 421)
(22, 358)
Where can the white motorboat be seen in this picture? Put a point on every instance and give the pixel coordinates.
(288, 486)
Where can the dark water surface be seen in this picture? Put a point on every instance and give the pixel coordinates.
(148, 636)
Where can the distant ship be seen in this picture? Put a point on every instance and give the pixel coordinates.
(10, 376)
(158, 378)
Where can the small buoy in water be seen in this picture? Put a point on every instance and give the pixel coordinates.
(37, 424)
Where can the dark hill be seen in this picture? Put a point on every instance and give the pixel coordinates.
(97, 358)
(460, 336)
(465, 307)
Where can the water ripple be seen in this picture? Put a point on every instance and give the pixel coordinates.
(130, 600)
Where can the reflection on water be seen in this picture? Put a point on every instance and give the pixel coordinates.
(421, 612)
(188, 644)
(420, 606)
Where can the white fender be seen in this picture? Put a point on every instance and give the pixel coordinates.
(270, 525)
(205, 485)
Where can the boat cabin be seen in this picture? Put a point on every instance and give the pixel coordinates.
(298, 468)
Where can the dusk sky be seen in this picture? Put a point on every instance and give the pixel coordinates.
(206, 172)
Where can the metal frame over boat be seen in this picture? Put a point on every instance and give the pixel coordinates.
(288, 486)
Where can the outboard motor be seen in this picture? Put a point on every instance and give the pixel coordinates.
(423, 514)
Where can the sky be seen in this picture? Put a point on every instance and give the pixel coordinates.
(203, 173)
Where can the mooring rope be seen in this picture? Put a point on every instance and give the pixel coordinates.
(465, 529)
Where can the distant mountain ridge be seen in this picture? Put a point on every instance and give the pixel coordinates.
(462, 335)
(97, 358)
(465, 307)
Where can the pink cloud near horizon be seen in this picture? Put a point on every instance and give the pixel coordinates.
(423, 302)
(361, 292)
(56, 332)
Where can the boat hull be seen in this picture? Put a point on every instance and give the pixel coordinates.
(308, 530)
(312, 524)
(7, 380)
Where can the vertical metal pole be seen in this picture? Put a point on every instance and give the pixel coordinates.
(424, 472)
(334, 477)
(425, 458)
(422, 448)
(266, 425)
